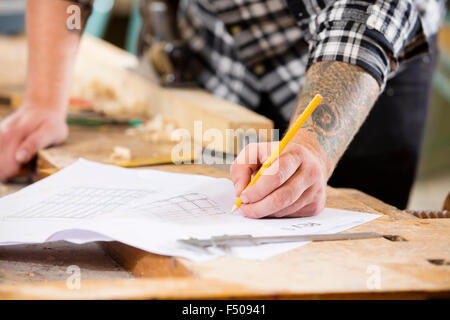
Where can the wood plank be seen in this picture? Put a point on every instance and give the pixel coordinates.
(365, 200)
(187, 288)
(37, 263)
(145, 264)
(318, 270)
(404, 266)
(97, 144)
(136, 96)
(103, 74)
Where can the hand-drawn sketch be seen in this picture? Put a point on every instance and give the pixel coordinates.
(181, 208)
(89, 201)
(300, 226)
(79, 202)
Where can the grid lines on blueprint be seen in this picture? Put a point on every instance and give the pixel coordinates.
(80, 202)
(182, 207)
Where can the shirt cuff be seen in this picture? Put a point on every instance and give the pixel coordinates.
(354, 43)
(359, 44)
(375, 35)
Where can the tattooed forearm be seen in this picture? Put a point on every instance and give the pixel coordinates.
(349, 93)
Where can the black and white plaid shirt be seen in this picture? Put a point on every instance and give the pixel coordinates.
(255, 47)
(251, 48)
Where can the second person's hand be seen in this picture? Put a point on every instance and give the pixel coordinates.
(24, 133)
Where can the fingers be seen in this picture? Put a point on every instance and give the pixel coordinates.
(282, 197)
(241, 175)
(247, 162)
(36, 141)
(309, 210)
(311, 202)
(24, 133)
(274, 176)
(293, 186)
(9, 139)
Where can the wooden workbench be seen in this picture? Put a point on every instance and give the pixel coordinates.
(417, 268)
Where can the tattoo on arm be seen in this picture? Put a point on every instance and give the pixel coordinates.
(349, 93)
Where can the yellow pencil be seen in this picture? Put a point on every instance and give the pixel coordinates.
(283, 143)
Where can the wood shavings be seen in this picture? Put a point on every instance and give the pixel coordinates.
(95, 90)
(158, 129)
(121, 153)
(107, 99)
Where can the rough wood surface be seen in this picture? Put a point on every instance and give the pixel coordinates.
(188, 288)
(97, 144)
(318, 270)
(145, 264)
(50, 262)
(342, 269)
(376, 204)
(338, 269)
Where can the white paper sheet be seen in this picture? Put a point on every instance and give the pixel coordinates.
(148, 209)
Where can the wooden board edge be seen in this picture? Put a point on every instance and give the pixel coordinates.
(145, 264)
(377, 204)
(187, 288)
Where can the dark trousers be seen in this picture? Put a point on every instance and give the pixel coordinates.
(383, 157)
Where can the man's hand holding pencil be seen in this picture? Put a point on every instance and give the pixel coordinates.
(288, 180)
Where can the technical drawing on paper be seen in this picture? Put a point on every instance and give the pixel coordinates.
(299, 226)
(181, 208)
(80, 202)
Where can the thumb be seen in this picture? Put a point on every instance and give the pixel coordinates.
(36, 141)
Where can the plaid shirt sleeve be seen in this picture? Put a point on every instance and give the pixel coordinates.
(374, 34)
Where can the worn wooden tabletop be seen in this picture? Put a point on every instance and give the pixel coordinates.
(373, 268)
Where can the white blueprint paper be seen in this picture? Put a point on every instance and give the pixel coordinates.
(148, 209)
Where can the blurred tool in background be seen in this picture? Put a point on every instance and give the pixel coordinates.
(160, 44)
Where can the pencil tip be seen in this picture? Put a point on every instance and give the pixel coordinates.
(234, 209)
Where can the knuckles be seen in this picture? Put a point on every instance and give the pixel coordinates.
(294, 156)
(296, 149)
(314, 171)
(32, 145)
(282, 200)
